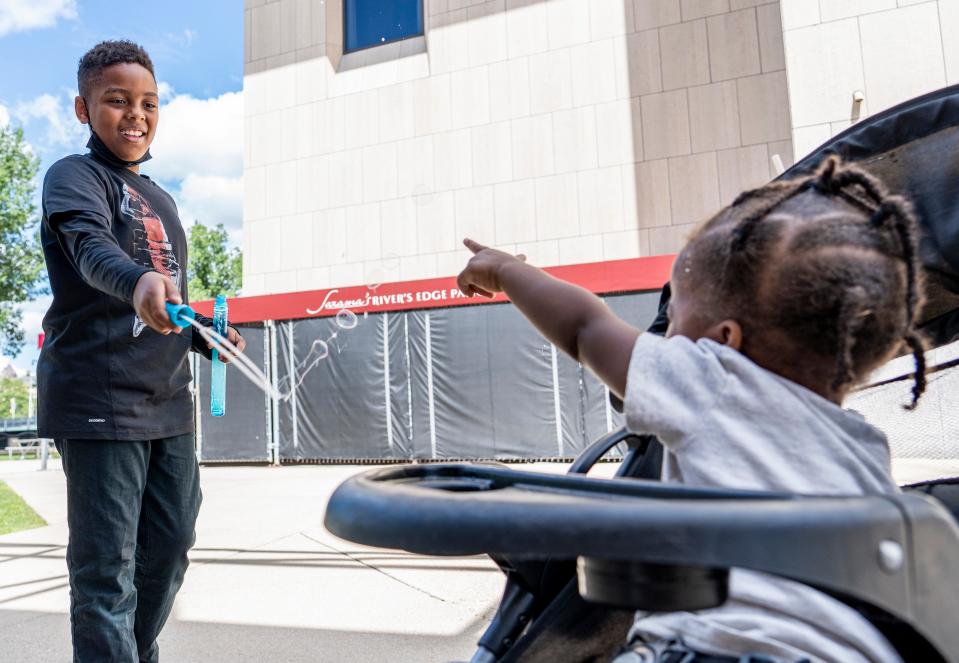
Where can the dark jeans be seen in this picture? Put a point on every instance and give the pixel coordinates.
(131, 508)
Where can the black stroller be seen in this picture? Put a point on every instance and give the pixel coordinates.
(581, 554)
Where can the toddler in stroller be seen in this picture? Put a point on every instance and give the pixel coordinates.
(781, 303)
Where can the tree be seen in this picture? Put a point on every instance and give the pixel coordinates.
(214, 269)
(12, 389)
(21, 262)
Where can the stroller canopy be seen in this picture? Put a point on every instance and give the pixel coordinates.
(914, 149)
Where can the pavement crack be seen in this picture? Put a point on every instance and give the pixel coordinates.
(374, 568)
(235, 552)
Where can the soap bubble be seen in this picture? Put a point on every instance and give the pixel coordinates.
(375, 278)
(319, 350)
(422, 195)
(386, 270)
(346, 319)
(391, 262)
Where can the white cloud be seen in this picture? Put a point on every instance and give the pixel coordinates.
(198, 151)
(201, 136)
(194, 136)
(61, 130)
(20, 15)
(173, 43)
(211, 199)
(4, 116)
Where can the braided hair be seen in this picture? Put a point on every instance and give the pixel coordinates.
(826, 264)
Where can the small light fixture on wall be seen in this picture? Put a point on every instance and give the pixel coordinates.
(858, 96)
(778, 166)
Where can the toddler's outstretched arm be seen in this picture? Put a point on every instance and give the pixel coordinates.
(575, 320)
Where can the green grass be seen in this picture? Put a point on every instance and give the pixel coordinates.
(15, 514)
(29, 455)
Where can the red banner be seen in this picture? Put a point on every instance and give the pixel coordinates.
(599, 277)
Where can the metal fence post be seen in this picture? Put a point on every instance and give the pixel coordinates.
(197, 408)
(272, 405)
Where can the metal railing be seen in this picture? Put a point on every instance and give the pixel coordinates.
(18, 425)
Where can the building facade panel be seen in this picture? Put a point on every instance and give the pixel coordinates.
(574, 130)
(848, 59)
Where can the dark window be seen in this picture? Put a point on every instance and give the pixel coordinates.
(373, 22)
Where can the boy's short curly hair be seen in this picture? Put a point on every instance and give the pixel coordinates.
(106, 54)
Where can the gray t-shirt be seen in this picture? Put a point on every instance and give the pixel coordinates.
(726, 422)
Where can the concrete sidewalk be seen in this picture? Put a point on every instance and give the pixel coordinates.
(267, 581)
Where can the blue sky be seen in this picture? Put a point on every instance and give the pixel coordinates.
(197, 47)
(197, 51)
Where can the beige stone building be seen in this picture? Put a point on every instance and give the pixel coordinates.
(574, 131)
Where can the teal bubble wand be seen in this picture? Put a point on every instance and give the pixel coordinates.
(183, 316)
(218, 370)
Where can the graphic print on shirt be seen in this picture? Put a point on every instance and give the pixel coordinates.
(151, 244)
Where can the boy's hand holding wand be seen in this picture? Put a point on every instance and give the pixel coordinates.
(152, 292)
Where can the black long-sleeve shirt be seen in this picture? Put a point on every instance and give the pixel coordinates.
(102, 373)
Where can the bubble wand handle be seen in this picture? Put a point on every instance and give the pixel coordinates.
(180, 314)
(218, 371)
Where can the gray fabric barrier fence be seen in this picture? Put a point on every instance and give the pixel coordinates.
(472, 382)
(243, 434)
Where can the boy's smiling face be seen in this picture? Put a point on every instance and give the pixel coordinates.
(123, 108)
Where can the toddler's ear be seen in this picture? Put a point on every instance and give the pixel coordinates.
(728, 332)
(80, 108)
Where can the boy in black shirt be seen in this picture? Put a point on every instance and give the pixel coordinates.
(113, 374)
